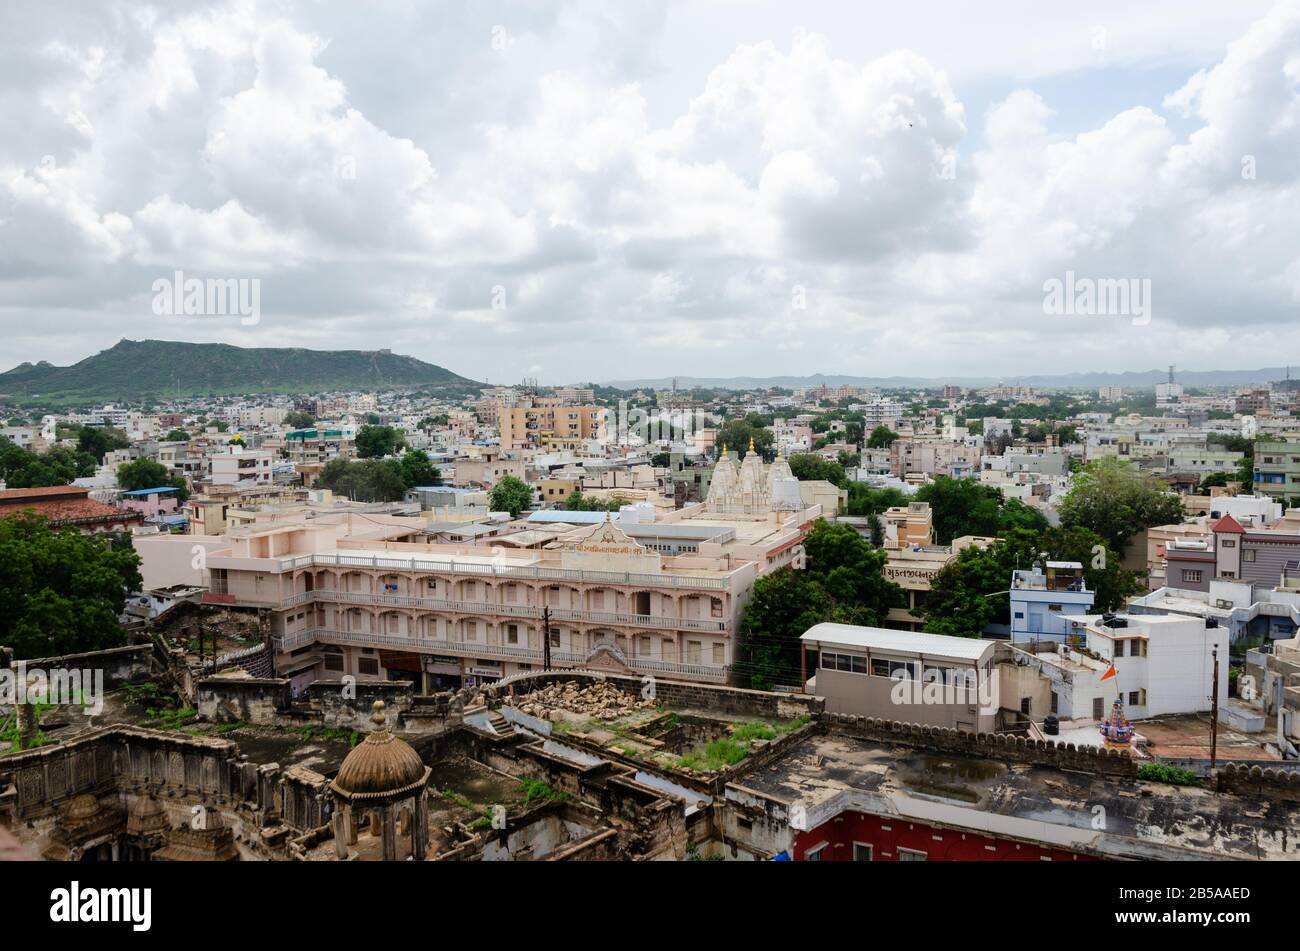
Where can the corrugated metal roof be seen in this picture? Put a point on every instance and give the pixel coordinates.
(905, 642)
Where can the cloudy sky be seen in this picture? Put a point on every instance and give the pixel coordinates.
(581, 190)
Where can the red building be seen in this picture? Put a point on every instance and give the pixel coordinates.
(861, 837)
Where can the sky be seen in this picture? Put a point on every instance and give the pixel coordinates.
(578, 190)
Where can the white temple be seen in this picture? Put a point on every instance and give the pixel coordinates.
(753, 489)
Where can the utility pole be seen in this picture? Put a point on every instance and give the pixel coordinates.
(1214, 714)
(546, 636)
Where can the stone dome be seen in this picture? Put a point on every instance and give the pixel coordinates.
(84, 806)
(381, 764)
(146, 816)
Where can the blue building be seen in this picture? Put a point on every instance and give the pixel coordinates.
(1044, 601)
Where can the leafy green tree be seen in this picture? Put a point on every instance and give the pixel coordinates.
(23, 469)
(61, 592)
(1213, 480)
(852, 572)
(375, 442)
(428, 423)
(577, 502)
(364, 480)
(844, 582)
(298, 419)
(510, 495)
(971, 591)
(147, 474)
(418, 470)
(961, 507)
(736, 435)
(882, 437)
(784, 604)
(177, 435)
(809, 466)
(98, 440)
(1116, 500)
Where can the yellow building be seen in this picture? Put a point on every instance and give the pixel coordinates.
(550, 427)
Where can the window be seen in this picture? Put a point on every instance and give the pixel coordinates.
(912, 855)
(367, 665)
(512, 633)
(1119, 648)
(1098, 708)
(693, 652)
(719, 655)
(861, 852)
(644, 646)
(1192, 574)
(1134, 698)
(1025, 703)
(879, 668)
(334, 662)
(814, 854)
(555, 638)
(1054, 607)
(1248, 554)
(1227, 543)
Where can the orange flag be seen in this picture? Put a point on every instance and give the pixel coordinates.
(1110, 673)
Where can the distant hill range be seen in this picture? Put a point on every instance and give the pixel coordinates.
(136, 369)
(1135, 379)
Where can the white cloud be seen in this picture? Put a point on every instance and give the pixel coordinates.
(383, 195)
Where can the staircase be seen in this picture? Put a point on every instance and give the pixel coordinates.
(500, 725)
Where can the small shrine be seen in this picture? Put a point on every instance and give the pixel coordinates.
(1116, 731)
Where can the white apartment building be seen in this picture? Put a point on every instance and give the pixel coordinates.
(243, 467)
(1164, 665)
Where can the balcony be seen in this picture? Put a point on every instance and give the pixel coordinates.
(708, 625)
(421, 564)
(521, 655)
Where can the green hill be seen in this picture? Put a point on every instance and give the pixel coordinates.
(138, 369)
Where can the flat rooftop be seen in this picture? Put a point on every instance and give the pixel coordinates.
(829, 773)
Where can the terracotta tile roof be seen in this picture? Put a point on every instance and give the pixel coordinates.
(1228, 525)
(12, 496)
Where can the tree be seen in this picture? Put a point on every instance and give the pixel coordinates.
(177, 435)
(375, 442)
(61, 592)
(882, 437)
(961, 507)
(577, 502)
(427, 423)
(364, 480)
(147, 474)
(784, 604)
(1213, 480)
(1114, 499)
(971, 591)
(736, 435)
(98, 440)
(297, 419)
(510, 495)
(808, 465)
(418, 470)
(22, 469)
(844, 582)
(852, 572)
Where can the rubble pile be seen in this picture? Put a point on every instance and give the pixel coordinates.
(599, 700)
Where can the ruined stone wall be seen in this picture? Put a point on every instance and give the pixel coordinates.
(721, 700)
(349, 704)
(995, 746)
(121, 665)
(120, 758)
(247, 699)
(1259, 782)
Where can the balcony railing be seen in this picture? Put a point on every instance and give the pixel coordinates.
(523, 655)
(658, 622)
(451, 566)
